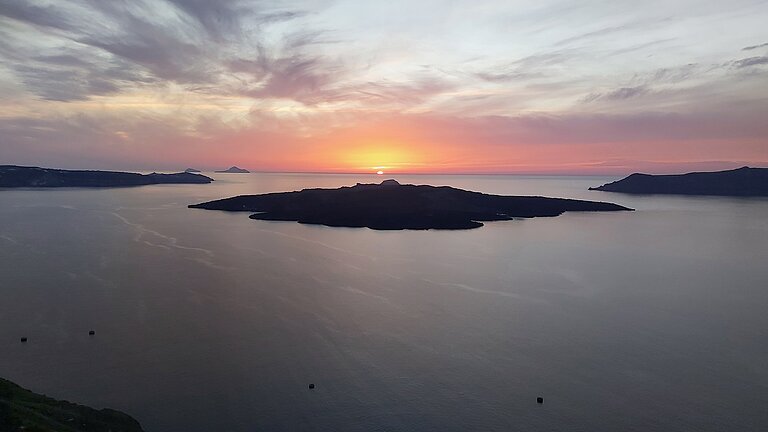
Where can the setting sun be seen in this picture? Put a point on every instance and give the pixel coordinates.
(378, 155)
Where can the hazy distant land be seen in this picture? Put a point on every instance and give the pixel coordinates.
(392, 206)
(234, 170)
(12, 176)
(738, 182)
(21, 409)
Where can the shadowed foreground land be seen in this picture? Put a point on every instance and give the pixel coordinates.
(392, 206)
(13, 176)
(744, 181)
(23, 410)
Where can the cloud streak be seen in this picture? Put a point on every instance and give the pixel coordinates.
(754, 47)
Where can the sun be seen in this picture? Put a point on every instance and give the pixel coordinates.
(379, 172)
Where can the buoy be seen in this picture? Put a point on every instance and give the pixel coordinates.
(540, 400)
(311, 386)
(91, 332)
(23, 339)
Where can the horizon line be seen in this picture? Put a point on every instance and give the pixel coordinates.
(398, 173)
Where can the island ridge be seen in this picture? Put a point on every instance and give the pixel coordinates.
(13, 176)
(744, 181)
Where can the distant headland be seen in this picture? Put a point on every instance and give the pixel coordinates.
(234, 170)
(12, 176)
(744, 182)
(21, 409)
(392, 206)
(192, 170)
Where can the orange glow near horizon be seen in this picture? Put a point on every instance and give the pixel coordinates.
(427, 145)
(378, 157)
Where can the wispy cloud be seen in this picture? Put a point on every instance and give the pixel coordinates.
(751, 61)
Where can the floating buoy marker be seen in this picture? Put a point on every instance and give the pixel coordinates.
(311, 386)
(91, 332)
(540, 400)
(23, 339)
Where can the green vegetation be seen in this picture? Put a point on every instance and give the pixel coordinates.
(23, 410)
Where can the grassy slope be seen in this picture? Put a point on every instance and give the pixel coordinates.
(23, 410)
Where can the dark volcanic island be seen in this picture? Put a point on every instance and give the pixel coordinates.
(743, 182)
(392, 206)
(18, 176)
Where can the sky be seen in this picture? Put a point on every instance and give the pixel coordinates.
(451, 86)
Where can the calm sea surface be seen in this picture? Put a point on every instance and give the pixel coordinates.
(655, 320)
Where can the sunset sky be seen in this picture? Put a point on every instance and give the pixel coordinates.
(593, 87)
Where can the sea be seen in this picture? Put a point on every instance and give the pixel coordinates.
(208, 321)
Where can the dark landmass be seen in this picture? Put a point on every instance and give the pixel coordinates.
(18, 176)
(744, 182)
(391, 206)
(192, 170)
(234, 170)
(23, 410)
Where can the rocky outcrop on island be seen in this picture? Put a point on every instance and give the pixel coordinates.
(23, 410)
(12, 176)
(392, 206)
(234, 170)
(192, 170)
(744, 182)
